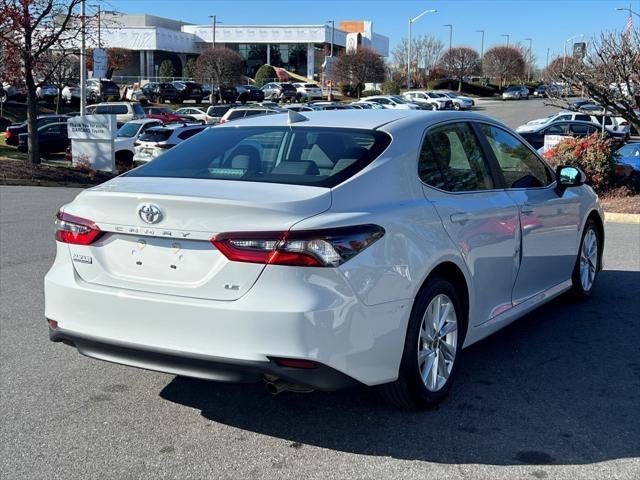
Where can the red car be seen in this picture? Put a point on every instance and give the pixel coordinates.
(167, 115)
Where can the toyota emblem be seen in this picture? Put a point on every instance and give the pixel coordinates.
(150, 213)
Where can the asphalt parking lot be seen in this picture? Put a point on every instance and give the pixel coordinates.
(555, 395)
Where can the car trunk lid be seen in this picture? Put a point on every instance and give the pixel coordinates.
(175, 256)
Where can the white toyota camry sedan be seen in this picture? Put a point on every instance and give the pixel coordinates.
(322, 250)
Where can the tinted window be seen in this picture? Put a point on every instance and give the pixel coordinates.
(560, 129)
(189, 133)
(300, 156)
(103, 110)
(563, 117)
(520, 167)
(584, 118)
(156, 135)
(235, 115)
(451, 159)
(137, 109)
(119, 109)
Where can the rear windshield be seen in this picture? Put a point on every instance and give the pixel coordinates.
(312, 156)
(109, 84)
(217, 111)
(156, 135)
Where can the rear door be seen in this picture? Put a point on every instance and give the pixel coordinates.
(549, 223)
(479, 216)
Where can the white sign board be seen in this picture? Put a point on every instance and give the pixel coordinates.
(92, 141)
(100, 63)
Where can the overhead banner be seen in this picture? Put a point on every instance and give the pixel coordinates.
(92, 141)
(100, 63)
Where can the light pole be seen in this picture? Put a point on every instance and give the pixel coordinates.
(508, 35)
(481, 44)
(631, 12)
(529, 59)
(213, 30)
(333, 32)
(548, 50)
(83, 63)
(411, 21)
(450, 33)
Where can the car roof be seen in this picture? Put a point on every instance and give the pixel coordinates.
(176, 126)
(360, 119)
(145, 120)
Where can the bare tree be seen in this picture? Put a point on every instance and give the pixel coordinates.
(222, 65)
(459, 62)
(610, 74)
(504, 63)
(63, 68)
(425, 52)
(29, 29)
(363, 65)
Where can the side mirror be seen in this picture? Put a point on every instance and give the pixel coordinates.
(567, 176)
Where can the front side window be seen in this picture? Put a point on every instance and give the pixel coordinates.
(313, 156)
(451, 159)
(520, 167)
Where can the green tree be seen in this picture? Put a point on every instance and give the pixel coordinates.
(189, 69)
(265, 74)
(166, 70)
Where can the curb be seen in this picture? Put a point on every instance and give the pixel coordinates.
(633, 218)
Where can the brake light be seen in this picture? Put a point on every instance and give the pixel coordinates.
(76, 230)
(8, 134)
(304, 248)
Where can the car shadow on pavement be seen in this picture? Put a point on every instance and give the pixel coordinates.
(560, 386)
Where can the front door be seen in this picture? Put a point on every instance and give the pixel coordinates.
(480, 218)
(550, 224)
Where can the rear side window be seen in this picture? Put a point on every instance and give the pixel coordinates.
(119, 109)
(156, 135)
(103, 110)
(520, 167)
(583, 118)
(235, 115)
(451, 159)
(189, 133)
(312, 156)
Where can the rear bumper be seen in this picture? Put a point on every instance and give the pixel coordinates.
(200, 366)
(291, 313)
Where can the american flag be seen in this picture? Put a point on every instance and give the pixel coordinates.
(629, 26)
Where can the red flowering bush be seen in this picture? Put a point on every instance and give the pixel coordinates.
(595, 155)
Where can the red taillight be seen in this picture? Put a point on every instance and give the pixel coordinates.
(76, 230)
(53, 324)
(295, 363)
(223, 120)
(304, 248)
(8, 134)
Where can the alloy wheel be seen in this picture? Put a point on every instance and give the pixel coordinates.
(438, 342)
(588, 260)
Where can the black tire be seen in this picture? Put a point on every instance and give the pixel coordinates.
(456, 107)
(409, 391)
(124, 161)
(579, 292)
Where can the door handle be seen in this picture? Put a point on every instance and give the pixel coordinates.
(526, 208)
(460, 217)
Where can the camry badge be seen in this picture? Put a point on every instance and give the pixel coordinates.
(150, 213)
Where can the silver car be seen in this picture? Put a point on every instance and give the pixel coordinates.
(516, 92)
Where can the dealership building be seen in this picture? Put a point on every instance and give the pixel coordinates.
(300, 49)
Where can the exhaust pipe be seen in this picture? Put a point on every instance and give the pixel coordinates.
(276, 386)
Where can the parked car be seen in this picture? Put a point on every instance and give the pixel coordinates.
(428, 100)
(237, 113)
(460, 102)
(579, 103)
(368, 105)
(3, 94)
(300, 108)
(249, 93)
(516, 92)
(307, 91)
(628, 165)
(189, 91)
(52, 138)
(157, 140)
(573, 128)
(13, 92)
(256, 252)
(167, 115)
(552, 90)
(216, 112)
(610, 122)
(101, 90)
(161, 92)
(126, 137)
(393, 102)
(124, 111)
(11, 134)
(223, 93)
(47, 92)
(279, 92)
(197, 113)
(70, 93)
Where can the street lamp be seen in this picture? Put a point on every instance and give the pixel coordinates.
(411, 21)
(213, 27)
(631, 12)
(99, 13)
(529, 59)
(508, 35)
(481, 44)
(333, 31)
(83, 64)
(450, 33)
